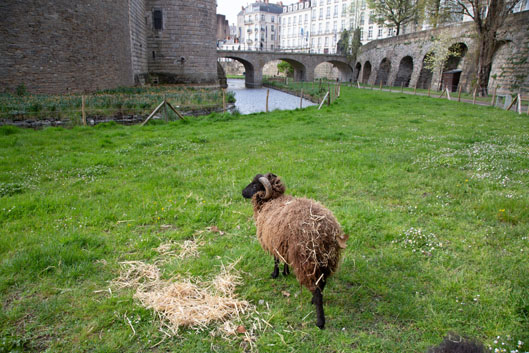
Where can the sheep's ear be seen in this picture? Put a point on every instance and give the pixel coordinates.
(341, 239)
(277, 184)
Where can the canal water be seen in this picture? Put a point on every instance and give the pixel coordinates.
(253, 100)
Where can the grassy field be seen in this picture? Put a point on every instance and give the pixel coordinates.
(433, 193)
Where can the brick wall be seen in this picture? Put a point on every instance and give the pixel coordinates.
(64, 46)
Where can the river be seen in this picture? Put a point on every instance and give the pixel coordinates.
(253, 100)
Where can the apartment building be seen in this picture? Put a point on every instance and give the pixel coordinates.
(258, 26)
(315, 26)
(295, 27)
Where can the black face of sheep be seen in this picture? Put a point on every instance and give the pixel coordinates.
(254, 187)
(298, 232)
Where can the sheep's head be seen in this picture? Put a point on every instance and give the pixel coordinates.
(267, 186)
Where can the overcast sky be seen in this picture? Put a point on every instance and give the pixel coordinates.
(231, 8)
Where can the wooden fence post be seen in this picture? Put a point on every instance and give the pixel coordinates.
(415, 89)
(267, 95)
(513, 102)
(428, 91)
(301, 99)
(224, 100)
(83, 112)
(519, 104)
(474, 95)
(493, 101)
(459, 94)
(381, 85)
(402, 87)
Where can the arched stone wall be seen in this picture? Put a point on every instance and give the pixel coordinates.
(366, 73)
(404, 73)
(383, 72)
(509, 65)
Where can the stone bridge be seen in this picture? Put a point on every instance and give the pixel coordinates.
(399, 60)
(304, 64)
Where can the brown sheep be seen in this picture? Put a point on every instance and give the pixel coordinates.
(299, 232)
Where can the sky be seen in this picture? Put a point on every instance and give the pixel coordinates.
(231, 8)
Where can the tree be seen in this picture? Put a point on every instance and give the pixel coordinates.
(395, 13)
(441, 51)
(438, 12)
(488, 16)
(286, 68)
(343, 47)
(347, 46)
(357, 43)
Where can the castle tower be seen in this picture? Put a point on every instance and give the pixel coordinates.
(181, 46)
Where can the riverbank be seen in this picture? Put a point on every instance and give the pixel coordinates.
(312, 91)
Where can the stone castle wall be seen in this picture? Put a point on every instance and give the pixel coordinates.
(138, 16)
(64, 46)
(185, 50)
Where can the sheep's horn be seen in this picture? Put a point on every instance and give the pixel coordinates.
(267, 186)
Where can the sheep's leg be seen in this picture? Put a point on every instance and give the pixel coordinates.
(275, 274)
(317, 300)
(321, 286)
(286, 270)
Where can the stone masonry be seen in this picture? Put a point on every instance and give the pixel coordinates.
(62, 46)
(399, 60)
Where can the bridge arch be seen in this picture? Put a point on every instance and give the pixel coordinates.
(300, 70)
(303, 63)
(251, 74)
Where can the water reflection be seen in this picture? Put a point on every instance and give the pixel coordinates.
(254, 100)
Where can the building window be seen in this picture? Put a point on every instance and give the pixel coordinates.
(380, 33)
(370, 32)
(157, 19)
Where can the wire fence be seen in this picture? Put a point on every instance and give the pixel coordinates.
(318, 88)
(507, 101)
(73, 107)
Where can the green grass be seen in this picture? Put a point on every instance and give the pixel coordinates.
(433, 194)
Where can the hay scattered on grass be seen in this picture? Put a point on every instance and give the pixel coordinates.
(186, 249)
(185, 302)
(136, 274)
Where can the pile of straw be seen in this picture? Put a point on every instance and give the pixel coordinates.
(184, 302)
